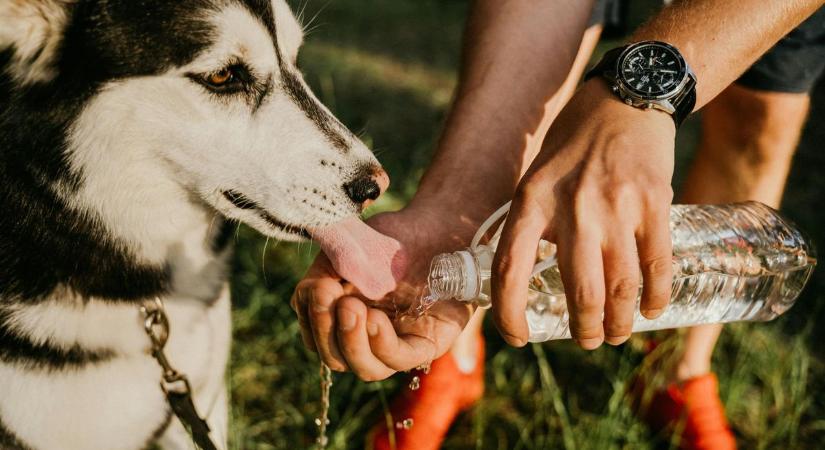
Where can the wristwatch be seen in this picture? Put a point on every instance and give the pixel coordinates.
(650, 74)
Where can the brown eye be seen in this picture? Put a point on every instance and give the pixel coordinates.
(231, 79)
(220, 78)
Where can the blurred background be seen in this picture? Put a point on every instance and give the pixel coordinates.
(387, 69)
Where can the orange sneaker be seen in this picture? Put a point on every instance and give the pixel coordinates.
(694, 408)
(443, 393)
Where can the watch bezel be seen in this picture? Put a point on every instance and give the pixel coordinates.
(632, 92)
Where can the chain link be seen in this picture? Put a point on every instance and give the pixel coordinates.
(156, 325)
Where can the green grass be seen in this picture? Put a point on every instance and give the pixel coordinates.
(387, 69)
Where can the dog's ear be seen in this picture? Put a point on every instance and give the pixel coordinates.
(290, 33)
(32, 29)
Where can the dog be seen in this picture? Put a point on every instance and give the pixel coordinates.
(134, 135)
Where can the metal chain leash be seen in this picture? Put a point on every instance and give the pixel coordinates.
(174, 384)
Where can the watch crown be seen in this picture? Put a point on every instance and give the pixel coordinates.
(628, 101)
(614, 88)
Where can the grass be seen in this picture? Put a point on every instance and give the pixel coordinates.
(387, 69)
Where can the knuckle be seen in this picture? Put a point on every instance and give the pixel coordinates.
(657, 267)
(620, 193)
(658, 193)
(624, 288)
(584, 300)
(526, 188)
(580, 199)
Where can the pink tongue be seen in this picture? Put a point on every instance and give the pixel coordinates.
(372, 262)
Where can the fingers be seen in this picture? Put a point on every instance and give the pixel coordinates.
(512, 265)
(322, 295)
(655, 258)
(299, 304)
(398, 352)
(401, 352)
(621, 276)
(354, 342)
(580, 265)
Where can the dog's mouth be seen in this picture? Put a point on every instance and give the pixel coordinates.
(243, 202)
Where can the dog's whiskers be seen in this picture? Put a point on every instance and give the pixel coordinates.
(307, 26)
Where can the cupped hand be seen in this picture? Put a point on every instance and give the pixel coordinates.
(599, 189)
(352, 333)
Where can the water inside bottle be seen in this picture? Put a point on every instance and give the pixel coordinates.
(709, 286)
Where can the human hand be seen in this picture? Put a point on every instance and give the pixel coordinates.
(600, 190)
(350, 333)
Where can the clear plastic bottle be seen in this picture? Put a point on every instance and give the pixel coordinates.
(730, 263)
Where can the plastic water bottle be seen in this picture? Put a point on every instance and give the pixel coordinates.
(731, 263)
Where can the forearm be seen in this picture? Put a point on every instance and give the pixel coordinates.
(517, 56)
(721, 39)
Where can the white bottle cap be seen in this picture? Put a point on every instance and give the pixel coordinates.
(471, 276)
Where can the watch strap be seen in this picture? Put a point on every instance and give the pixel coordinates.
(684, 103)
(606, 67)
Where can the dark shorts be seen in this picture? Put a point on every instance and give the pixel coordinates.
(793, 65)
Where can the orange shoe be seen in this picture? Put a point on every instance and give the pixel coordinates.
(443, 393)
(694, 408)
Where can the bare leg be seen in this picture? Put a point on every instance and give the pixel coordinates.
(464, 348)
(748, 140)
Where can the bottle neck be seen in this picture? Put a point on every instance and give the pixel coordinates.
(454, 276)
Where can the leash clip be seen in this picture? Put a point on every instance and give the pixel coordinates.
(173, 383)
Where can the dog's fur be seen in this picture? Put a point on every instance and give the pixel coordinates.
(121, 171)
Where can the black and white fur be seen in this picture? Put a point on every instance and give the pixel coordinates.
(121, 171)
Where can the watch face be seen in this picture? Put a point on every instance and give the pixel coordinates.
(652, 70)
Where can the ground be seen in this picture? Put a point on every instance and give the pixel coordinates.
(387, 69)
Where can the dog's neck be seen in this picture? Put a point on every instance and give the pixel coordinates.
(112, 224)
(161, 223)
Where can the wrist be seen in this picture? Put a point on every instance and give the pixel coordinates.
(600, 93)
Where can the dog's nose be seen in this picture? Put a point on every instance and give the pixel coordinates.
(368, 187)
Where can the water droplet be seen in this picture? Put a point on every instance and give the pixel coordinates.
(415, 383)
(425, 367)
(405, 424)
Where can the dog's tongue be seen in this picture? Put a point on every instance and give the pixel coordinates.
(372, 262)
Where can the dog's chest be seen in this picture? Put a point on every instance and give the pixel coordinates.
(116, 403)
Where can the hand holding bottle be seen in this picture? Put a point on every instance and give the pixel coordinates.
(600, 189)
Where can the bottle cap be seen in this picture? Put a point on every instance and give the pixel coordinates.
(471, 276)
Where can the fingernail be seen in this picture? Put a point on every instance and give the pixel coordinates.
(652, 313)
(346, 320)
(617, 340)
(589, 343)
(372, 329)
(514, 340)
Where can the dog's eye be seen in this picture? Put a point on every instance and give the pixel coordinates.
(230, 79)
(220, 78)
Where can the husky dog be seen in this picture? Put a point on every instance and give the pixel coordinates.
(133, 133)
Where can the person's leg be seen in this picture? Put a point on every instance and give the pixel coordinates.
(748, 140)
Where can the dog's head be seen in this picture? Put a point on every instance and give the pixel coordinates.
(203, 95)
